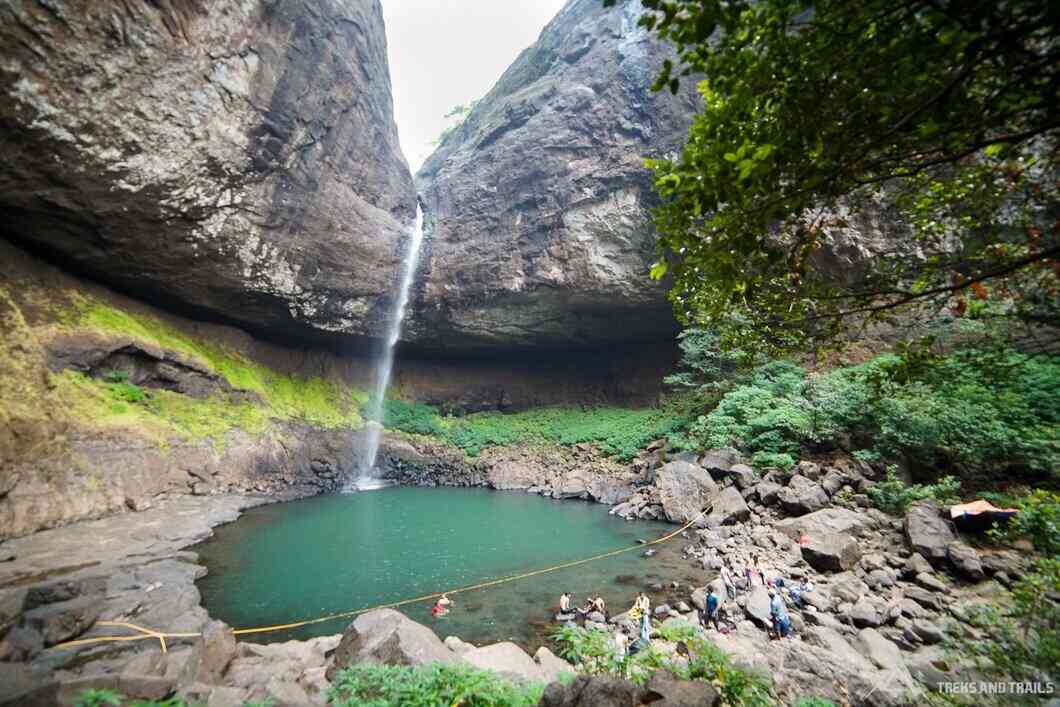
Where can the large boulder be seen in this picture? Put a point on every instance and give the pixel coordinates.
(802, 496)
(685, 490)
(595, 690)
(610, 491)
(757, 606)
(237, 159)
(965, 561)
(883, 652)
(719, 461)
(928, 532)
(729, 507)
(831, 552)
(826, 521)
(214, 650)
(506, 659)
(388, 637)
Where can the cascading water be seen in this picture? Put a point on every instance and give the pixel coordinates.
(374, 425)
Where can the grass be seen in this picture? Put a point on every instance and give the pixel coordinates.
(437, 685)
(320, 402)
(621, 432)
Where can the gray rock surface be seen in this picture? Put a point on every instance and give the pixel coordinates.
(388, 637)
(927, 532)
(240, 159)
(831, 552)
(684, 490)
(802, 496)
(538, 203)
(729, 507)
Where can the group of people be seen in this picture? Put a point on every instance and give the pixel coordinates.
(781, 621)
(592, 604)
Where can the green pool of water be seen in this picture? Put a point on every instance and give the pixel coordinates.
(291, 561)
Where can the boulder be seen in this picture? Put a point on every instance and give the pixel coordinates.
(213, 652)
(757, 607)
(840, 521)
(965, 560)
(458, 646)
(928, 532)
(831, 552)
(927, 631)
(551, 665)
(877, 648)
(744, 476)
(574, 484)
(388, 637)
(768, 492)
(668, 691)
(916, 564)
(810, 470)
(719, 462)
(931, 582)
(802, 496)
(594, 690)
(684, 490)
(507, 659)
(847, 588)
(865, 613)
(729, 507)
(610, 491)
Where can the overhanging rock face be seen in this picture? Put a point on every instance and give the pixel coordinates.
(538, 203)
(238, 158)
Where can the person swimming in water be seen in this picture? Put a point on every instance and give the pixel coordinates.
(441, 607)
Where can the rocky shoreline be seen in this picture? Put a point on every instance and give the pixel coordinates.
(869, 633)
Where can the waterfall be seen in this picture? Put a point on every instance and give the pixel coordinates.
(374, 424)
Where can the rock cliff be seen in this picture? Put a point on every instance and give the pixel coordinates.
(538, 203)
(235, 159)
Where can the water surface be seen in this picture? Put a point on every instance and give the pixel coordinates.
(290, 561)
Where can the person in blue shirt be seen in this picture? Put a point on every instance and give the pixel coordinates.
(710, 610)
(779, 613)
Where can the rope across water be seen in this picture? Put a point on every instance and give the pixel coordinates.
(147, 633)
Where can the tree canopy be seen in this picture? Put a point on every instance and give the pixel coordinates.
(919, 134)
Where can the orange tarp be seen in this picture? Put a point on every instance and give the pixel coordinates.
(979, 507)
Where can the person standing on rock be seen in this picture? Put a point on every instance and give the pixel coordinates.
(779, 614)
(727, 580)
(621, 644)
(564, 603)
(644, 604)
(598, 605)
(710, 610)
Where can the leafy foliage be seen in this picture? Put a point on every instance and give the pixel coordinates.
(939, 116)
(1019, 638)
(981, 411)
(1038, 520)
(814, 702)
(674, 630)
(618, 431)
(594, 653)
(437, 685)
(704, 367)
(894, 496)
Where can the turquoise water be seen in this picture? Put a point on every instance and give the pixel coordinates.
(290, 561)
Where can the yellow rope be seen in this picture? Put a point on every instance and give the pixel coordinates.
(143, 633)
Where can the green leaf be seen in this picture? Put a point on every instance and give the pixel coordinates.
(659, 269)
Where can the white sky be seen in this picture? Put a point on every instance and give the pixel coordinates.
(445, 53)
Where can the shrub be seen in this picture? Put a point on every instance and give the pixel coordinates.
(894, 496)
(436, 685)
(814, 702)
(594, 652)
(1038, 521)
(127, 392)
(676, 630)
(772, 460)
(416, 418)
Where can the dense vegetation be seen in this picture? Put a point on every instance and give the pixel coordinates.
(619, 431)
(937, 116)
(593, 651)
(371, 685)
(978, 412)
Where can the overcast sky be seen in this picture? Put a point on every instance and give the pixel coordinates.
(445, 53)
